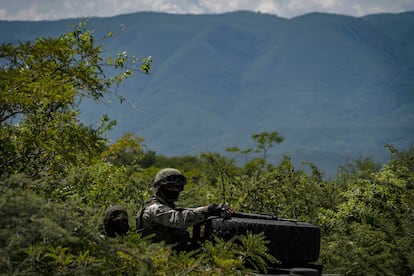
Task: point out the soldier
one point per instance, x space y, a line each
161 217
115 221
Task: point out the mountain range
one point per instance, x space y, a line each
336 87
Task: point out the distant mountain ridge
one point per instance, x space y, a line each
336 87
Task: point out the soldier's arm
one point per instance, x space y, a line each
164 215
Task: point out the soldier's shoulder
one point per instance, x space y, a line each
156 207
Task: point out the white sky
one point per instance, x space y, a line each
59 9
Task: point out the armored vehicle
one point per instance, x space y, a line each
294 244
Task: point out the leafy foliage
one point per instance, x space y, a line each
373 226
42 84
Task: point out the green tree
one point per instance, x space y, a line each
373 233
41 86
264 142
360 168
127 150
58 175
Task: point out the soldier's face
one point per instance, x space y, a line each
171 192
174 187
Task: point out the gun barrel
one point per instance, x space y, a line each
259 216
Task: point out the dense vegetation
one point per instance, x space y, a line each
58 176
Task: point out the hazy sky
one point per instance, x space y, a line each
58 9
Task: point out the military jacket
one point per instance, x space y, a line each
167 222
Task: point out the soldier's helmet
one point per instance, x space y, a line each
115 221
169 176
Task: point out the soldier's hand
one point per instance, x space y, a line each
221 210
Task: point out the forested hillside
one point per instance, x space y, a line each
58 176
336 87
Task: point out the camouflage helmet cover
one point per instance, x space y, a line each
169 176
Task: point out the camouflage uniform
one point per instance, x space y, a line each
161 217
167 222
